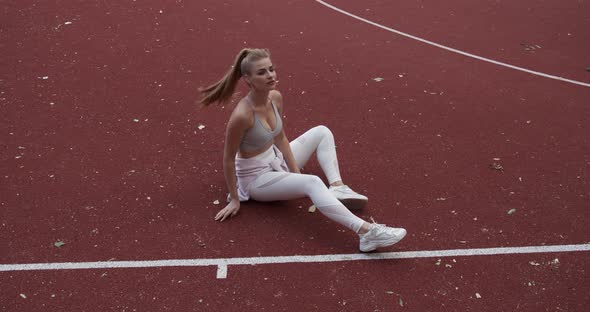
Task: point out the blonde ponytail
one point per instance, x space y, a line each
222 90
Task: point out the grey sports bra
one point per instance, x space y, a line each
259 136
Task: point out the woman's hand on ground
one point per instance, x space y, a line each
229 211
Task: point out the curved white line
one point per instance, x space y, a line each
451 49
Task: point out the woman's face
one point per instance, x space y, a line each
262 75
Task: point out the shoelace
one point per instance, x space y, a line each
342 188
379 228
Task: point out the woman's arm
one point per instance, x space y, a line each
281 140
238 123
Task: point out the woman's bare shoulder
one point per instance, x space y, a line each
242 114
277 98
275 95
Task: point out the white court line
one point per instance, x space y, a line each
451 49
223 263
221 271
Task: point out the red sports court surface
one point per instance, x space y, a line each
104 151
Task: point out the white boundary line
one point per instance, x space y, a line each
223 263
451 49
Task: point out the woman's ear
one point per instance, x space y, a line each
247 80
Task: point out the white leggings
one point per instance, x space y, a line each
275 185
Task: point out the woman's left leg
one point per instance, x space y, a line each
321 140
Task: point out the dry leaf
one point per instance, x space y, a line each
496 166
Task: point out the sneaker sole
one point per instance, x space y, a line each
354 203
383 244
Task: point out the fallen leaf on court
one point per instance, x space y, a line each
201 126
441 199
58 244
23 296
534 263
437 262
511 211
399 300
496 166
554 263
216 202
311 209
378 79
477 295
530 47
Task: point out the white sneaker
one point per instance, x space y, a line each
380 235
351 199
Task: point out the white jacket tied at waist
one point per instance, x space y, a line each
248 169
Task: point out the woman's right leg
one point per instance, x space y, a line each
274 185
284 186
